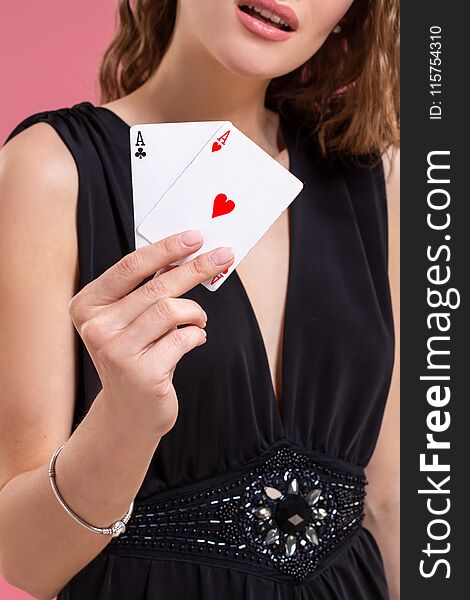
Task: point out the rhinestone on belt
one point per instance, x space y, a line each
287 513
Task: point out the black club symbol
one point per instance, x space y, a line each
140 153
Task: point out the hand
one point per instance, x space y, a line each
132 335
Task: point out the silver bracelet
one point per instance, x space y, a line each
113 530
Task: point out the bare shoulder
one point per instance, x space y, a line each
38 274
37 154
38 190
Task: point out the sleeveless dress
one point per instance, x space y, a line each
243 500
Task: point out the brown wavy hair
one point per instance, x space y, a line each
346 94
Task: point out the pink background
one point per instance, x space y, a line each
49 54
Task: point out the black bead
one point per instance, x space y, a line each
292 514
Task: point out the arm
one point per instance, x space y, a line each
382 513
132 335
41 547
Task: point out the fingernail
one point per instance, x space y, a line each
222 255
191 237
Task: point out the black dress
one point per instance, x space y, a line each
241 501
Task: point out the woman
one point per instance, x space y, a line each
243 451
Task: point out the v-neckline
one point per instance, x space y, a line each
281 415
280 410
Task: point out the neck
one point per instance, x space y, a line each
191 85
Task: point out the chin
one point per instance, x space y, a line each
256 59
254 66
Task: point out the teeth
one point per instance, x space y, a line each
269 15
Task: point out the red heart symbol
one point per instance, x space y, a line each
216 146
222 206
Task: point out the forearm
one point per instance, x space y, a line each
384 524
98 473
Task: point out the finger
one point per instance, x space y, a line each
161 316
164 270
125 275
172 283
170 348
184 277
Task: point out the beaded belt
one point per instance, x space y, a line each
284 515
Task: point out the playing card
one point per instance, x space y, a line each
159 154
232 191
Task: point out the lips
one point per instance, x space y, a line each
275 14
